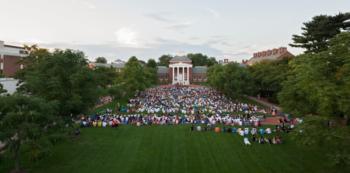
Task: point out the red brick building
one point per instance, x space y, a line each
181 71
269 55
10 57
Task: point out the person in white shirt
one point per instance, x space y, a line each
104 124
246 141
268 130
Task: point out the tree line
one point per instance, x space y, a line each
197 59
314 85
55 87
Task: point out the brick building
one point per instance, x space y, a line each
269 55
118 65
181 71
10 57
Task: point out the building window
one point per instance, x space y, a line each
1 66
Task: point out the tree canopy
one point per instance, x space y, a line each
318 32
164 60
26 120
151 72
268 77
199 59
62 76
318 88
101 60
319 83
105 76
151 63
136 76
231 79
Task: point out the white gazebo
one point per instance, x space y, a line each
180 73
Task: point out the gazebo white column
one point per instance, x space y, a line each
173 70
185 68
188 75
176 73
183 74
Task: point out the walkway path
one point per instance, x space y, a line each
269 120
265 103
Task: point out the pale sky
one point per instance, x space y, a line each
147 29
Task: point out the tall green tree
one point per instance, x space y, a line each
318 132
216 77
151 63
199 59
318 83
318 32
35 56
101 60
164 60
231 79
105 76
237 80
64 77
268 77
26 120
318 86
133 77
211 61
151 71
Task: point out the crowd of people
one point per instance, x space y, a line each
187 100
255 134
202 107
113 120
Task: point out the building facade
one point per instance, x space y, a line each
268 55
224 61
10 59
181 71
9 84
118 65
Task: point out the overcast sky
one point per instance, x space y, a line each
119 29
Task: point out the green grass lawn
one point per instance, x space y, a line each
112 105
167 149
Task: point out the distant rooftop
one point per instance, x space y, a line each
113 64
199 69
118 63
162 69
12 50
180 59
273 54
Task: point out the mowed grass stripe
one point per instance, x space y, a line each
211 150
173 149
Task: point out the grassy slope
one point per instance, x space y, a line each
112 105
173 149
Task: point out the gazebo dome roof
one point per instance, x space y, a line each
180 59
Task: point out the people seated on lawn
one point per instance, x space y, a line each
201 106
246 141
180 105
109 119
187 100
